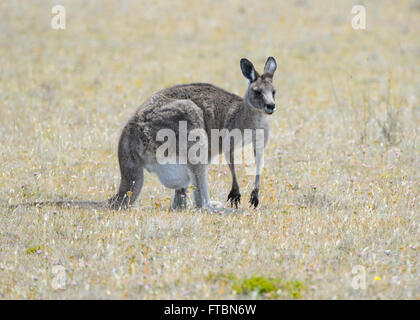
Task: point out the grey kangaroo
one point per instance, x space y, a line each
202 106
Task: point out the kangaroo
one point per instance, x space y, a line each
204 107
201 106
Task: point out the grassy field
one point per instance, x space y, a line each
341 184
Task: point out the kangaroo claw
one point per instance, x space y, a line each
234 197
254 199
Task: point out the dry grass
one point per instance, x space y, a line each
341 184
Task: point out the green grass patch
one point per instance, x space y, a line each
32 249
272 288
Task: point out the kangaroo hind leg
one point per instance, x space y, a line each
132 176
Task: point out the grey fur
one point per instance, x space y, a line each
202 106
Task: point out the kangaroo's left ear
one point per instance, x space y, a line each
248 70
270 65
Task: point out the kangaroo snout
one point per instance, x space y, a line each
270 108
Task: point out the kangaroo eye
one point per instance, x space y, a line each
257 92
274 93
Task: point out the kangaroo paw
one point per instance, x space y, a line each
254 198
234 197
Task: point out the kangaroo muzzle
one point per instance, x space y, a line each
270 108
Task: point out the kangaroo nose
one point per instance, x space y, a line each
270 108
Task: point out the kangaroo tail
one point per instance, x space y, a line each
66 204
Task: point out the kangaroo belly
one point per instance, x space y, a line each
173 176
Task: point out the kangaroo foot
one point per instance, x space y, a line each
118 203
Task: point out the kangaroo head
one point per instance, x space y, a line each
260 93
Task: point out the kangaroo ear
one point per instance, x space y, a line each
270 65
248 70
